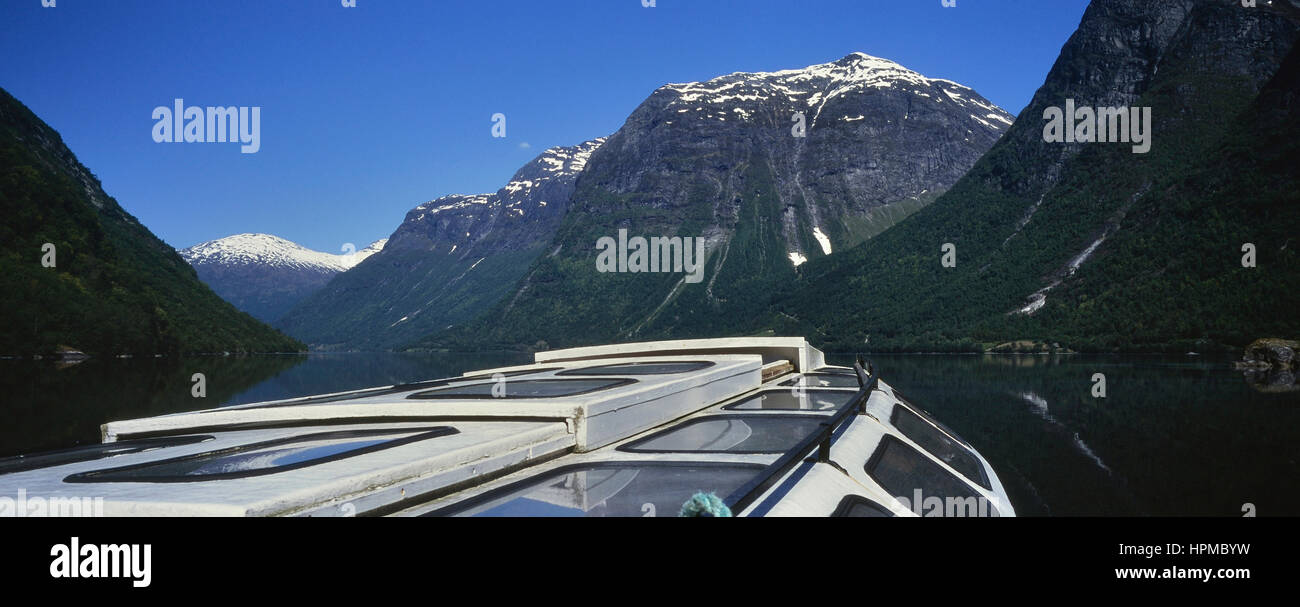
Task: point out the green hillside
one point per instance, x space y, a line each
115 288
1168 275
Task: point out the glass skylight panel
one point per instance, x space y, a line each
793 400
732 434
92 452
608 489
265 457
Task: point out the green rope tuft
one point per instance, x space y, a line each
705 504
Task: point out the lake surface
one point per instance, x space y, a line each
48 407
1173 436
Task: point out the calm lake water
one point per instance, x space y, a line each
1174 435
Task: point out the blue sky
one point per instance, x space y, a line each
369 111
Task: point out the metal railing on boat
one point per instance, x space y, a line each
748 493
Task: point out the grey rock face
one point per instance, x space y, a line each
522 215
770 169
1118 52
449 260
876 134
716 159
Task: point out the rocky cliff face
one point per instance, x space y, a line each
876 134
522 215
449 260
770 169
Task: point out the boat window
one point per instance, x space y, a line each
823 380
939 444
528 388
641 368
92 452
856 506
927 417
731 434
263 458
788 400
608 489
907 475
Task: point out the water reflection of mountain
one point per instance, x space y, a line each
323 373
1174 435
48 407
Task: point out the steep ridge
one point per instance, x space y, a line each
449 260
114 287
722 160
1092 246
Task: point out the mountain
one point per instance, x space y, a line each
724 161
450 259
113 287
266 275
1090 245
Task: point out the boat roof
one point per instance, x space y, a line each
582 430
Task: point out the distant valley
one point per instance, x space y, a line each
266 275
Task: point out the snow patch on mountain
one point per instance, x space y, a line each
822 240
810 89
554 164
557 163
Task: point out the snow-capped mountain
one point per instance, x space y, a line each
513 217
772 169
448 260
741 95
265 275
874 134
273 251
716 159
